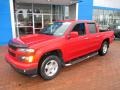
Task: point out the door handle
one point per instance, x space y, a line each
97 36
86 38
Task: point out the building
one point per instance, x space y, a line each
21 17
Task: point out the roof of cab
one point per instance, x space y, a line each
89 21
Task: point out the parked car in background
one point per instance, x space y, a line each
116 29
117 32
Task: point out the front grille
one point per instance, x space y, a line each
12 47
11 53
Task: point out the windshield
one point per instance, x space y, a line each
56 29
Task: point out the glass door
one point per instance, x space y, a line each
41 21
47 19
38 22
24 24
24 19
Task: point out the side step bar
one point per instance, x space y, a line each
81 59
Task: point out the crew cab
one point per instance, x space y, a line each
60 44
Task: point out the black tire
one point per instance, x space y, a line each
47 60
103 52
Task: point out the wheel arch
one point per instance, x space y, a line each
57 52
107 40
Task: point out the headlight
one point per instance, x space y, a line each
26 50
27 56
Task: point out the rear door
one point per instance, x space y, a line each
94 37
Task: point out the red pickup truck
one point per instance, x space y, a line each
62 43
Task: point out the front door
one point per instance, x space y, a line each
77 46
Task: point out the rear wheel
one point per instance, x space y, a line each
104 48
50 67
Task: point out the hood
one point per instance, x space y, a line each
34 39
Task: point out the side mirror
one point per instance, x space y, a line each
74 34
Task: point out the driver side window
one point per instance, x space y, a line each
80 28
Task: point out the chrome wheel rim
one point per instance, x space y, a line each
105 48
51 68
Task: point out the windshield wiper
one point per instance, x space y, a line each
46 33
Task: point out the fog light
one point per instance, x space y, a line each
28 59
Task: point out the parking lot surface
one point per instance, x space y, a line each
97 73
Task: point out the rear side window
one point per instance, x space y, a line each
80 28
92 28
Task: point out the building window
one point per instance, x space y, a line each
107 18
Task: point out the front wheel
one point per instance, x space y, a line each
50 67
104 48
